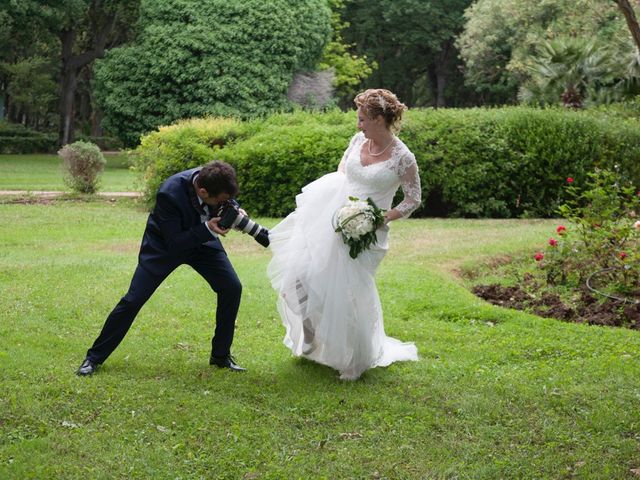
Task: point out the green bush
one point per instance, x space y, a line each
16 138
513 162
83 162
186 144
283 154
506 162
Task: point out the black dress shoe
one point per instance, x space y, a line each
87 368
226 362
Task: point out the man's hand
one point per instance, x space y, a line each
213 225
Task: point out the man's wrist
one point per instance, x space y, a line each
210 228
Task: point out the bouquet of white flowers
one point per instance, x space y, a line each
357 222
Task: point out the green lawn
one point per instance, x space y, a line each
496 393
44 172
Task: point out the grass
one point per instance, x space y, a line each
496 394
44 172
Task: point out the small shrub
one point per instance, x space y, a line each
83 162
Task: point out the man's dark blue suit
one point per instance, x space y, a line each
175 234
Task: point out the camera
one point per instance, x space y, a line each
230 217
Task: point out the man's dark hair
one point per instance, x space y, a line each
218 177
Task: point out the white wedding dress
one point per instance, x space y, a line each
328 301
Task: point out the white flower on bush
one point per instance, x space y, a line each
637 225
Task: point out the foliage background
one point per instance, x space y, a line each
500 37
165 56
195 58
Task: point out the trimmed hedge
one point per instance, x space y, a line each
283 154
16 138
501 163
513 161
184 145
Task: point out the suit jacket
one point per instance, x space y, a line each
175 231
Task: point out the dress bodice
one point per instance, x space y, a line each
381 180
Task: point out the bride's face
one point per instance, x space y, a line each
371 127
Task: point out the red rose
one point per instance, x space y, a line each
538 256
622 255
569 179
562 230
553 242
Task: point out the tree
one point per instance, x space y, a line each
349 69
26 45
96 19
31 88
630 17
209 57
501 36
413 43
565 69
73 32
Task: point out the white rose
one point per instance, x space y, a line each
356 219
364 226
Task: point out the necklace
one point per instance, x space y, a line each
381 151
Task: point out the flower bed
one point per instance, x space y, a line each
589 270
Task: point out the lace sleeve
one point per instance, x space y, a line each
407 170
345 155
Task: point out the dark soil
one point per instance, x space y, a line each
587 309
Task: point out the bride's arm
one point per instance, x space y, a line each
345 155
410 182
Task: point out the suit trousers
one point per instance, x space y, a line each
213 265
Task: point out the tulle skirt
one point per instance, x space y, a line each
328 301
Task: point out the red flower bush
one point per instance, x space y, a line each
603 247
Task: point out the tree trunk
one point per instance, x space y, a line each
68 83
72 64
630 17
96 122
438 74
7 106
440 85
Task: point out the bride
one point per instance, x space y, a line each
328 301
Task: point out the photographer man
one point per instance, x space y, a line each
181 229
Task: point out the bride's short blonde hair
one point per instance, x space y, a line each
378 101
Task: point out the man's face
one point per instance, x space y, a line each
212 200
